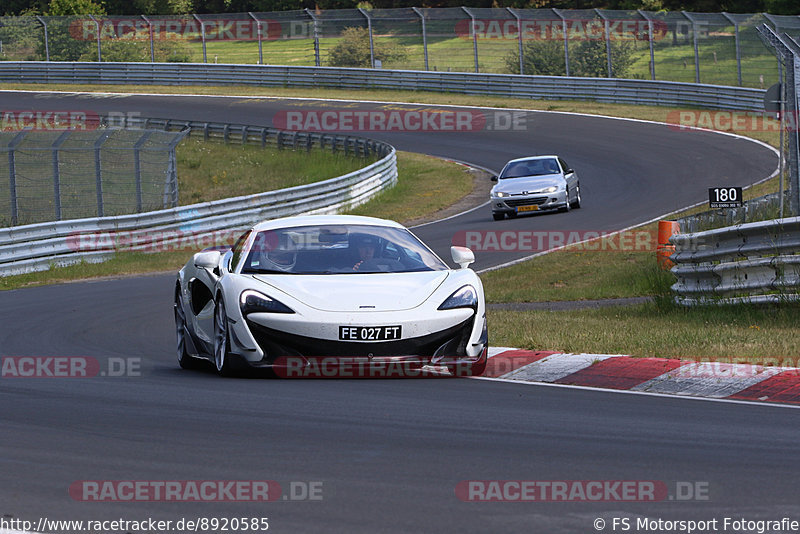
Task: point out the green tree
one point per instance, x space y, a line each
353 50
586 58
543 58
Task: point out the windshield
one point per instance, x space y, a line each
531 167
339 249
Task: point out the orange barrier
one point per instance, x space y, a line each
664 249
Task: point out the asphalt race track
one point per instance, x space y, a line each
389 453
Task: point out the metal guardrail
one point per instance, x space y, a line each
753 262
646 92
36 247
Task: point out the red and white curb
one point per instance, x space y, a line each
715 380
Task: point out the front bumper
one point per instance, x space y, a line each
519 204
464 343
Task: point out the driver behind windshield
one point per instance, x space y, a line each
366 245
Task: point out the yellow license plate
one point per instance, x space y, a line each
527 208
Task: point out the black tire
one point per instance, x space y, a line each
185 360
577 203
498 216
223 360
567 205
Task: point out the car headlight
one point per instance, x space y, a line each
466 297
500 194
551 189
254 302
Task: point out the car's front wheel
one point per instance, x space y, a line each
577 203
222 357
185 360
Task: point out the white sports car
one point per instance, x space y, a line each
337 289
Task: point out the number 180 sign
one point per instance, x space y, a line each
724 197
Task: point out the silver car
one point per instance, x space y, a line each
535 183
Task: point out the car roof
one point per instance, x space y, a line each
530 158
315 220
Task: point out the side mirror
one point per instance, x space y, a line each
462 256
569 171
494 178
207 260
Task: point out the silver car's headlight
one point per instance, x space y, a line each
500 194
252 301
465 297
551 189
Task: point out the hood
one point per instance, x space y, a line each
528 183
349 292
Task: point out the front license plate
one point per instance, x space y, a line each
527 208
369 333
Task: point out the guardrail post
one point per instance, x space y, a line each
650 41
46 39
696 47
424 35
738 49
519 39
137 168
99 48
98 172
474 36
150 31
258 30
371 43
202 36
566 39
12 175
607 34
316 35
56 174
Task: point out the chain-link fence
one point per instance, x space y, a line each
713 48
71 174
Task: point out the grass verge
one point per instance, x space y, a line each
740 334
210 170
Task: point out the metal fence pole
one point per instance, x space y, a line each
202 36
696 47
171 183
424 35
56 174
607 35
650 40
519 34
46 39
98 171
99 48
316 36
150 31
566 39
371 43
12 175
474 37
137 168
738 48
258 29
